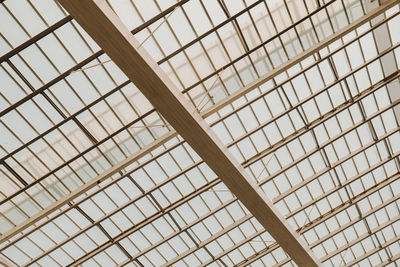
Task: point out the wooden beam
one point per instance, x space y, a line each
103 25
204 114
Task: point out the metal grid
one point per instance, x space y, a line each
88 138
186 209
326 152
326 143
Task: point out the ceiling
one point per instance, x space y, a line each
304 95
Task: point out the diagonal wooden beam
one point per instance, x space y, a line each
108 31
377 11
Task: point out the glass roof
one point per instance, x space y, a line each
99 177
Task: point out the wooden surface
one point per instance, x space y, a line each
108 31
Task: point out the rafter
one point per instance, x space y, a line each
205 114
357 199
382 39
65 200
290 63
109 32
357 165
351 202
161 141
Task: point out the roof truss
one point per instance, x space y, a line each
109 32
113 174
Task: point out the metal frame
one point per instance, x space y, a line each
63 206
204 114
162 93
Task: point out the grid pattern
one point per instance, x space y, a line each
321 138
